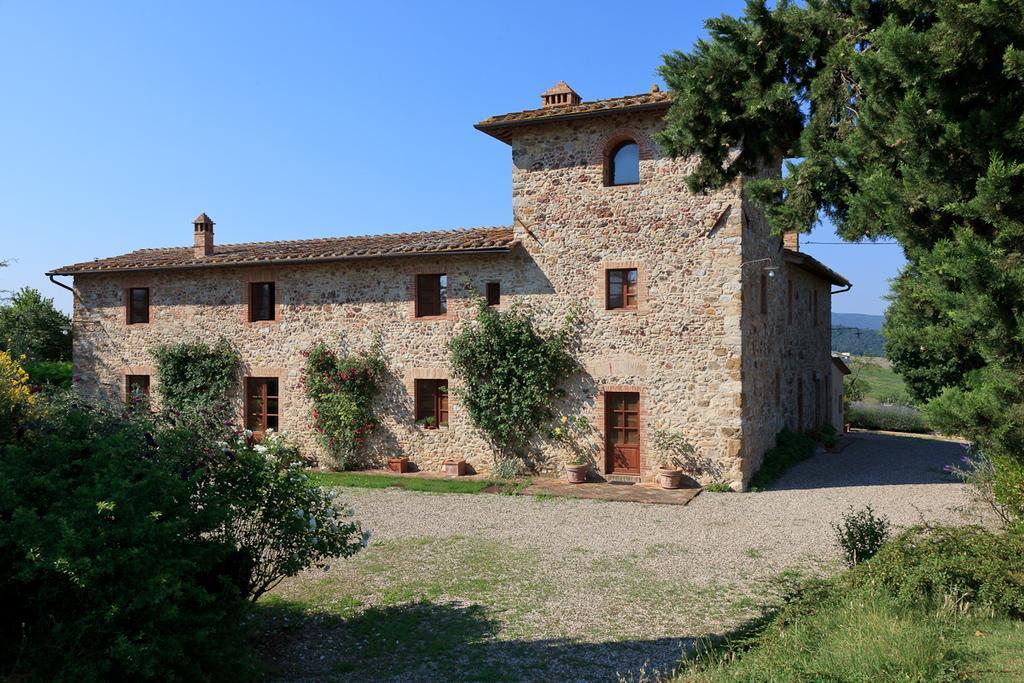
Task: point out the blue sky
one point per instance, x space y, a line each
123 121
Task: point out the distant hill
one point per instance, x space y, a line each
861 320
857 340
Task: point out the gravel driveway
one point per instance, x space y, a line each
584 590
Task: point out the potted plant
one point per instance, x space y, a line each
576 469
399 465
829 438
672 455
455 468
570 433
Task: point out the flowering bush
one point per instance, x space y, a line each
342 390
17 401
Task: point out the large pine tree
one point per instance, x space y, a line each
901 119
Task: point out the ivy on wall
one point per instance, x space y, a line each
196 377
511 375
341 389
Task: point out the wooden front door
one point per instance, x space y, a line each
622 432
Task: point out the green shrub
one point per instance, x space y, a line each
861 535
790 448
129 546
886 418
969 565
196 378
55 373
342 390
511 374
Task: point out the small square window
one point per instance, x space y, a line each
621 288
431 403
136 387
431 295
493 293
262 404
138 305
261 301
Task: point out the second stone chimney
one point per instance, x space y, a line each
204 235
791 240
559 96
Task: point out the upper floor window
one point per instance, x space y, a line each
621 288
493 293
262 411
431 295
624 164
138 305
261 301
432 403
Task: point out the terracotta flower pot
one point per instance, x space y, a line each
455 468
670 478
400 465
576 474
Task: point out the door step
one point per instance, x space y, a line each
623 478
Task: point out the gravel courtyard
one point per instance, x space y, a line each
492 587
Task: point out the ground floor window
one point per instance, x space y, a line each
431 403
136 387
262 404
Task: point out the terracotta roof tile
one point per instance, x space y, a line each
481 240
496 125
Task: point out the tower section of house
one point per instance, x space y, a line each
693 318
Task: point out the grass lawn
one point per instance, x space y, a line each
468 608
881 381
383 481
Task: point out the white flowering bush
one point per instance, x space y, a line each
280 522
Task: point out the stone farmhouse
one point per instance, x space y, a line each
698 319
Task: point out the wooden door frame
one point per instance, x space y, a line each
602 414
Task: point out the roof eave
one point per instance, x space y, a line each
288 262
498 129
815 267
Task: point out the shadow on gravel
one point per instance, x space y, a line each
428 641
876 460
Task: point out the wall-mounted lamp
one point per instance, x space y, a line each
768 269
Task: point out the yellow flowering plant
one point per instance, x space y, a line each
17 401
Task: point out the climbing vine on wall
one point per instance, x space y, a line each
511 374
193 376
341 388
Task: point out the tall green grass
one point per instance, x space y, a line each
886 418
383 481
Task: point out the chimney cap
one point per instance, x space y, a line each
655 87
560 94
203 218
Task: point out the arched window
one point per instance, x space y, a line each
624 164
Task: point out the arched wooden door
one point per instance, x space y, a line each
622 432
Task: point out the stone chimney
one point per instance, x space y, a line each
560 95
791 240
204 235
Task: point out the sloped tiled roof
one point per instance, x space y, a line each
497 126
438 242
815 267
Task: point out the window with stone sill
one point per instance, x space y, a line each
262 297
138 305
431 403
621 289
136 388
493 293
431 295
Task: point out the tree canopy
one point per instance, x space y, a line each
898 118
30 325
